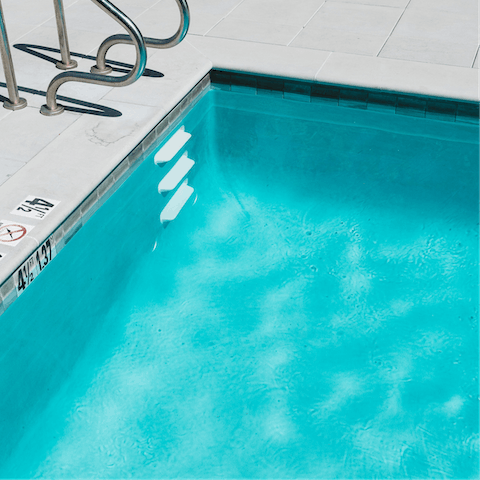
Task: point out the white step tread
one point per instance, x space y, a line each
170 181
176 203
172 147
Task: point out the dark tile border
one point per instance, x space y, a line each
366 99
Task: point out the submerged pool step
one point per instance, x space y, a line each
176 174
172 147
176 203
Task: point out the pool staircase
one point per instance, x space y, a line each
176 142
175 182
179 171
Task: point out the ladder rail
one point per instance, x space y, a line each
102 68
14 101
66 63
53 108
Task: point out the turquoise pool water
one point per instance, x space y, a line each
312 313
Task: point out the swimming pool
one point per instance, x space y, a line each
311 313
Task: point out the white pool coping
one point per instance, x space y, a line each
68 157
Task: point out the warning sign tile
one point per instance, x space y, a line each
12 233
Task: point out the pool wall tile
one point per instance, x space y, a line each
150 138
89 206
270 93
222 86
414 107
8 293
375 100
273 87
243 89
353 98
173 116
297 91
58 237
137 152
468 113
381 102
243 83
105 187
274 84
325 93
72 225
441 110
222 80
120 172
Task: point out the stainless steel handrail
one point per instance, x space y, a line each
66 63
52 108
14 101
175 39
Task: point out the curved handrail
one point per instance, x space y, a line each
52 108
101 66
14 101
66 63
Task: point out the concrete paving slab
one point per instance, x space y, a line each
469 7
333 40
162 20
85 15
203 23
8 167
438 25
42 40
356 18
428 50
124 5
349 28
379 3
401 76
34 13
260 58
252 31
3 96
17 30
159 21
176 64
213 7
25 133
297 14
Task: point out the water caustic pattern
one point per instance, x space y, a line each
312 315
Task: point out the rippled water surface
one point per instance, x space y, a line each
314 314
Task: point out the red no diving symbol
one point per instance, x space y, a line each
12 233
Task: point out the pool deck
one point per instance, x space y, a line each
424 47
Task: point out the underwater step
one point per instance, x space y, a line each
170 181
172 147
176 203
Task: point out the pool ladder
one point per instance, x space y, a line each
98 73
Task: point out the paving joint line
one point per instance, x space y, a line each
393 29
475 57
223 18
321 66
307 22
